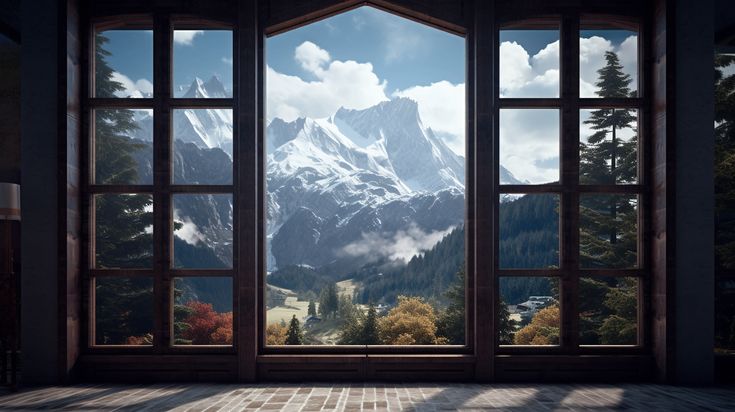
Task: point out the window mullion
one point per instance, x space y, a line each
569 248
163 295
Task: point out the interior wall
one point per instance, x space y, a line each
694 186
9 110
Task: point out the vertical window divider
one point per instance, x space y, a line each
162 236
569 204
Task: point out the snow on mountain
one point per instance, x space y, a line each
206 128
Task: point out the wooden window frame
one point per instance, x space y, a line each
568 189
483 360
163 189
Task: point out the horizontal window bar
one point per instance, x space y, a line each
623 273
201 273
149 103
132 189
123 273
551 272
203 189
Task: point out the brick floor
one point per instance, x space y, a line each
370 397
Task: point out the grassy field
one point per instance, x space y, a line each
293 306
347 287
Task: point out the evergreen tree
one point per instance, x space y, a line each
724 202
451 322
312 308
609 222
294 335
329 301
506 325
123 305
370 328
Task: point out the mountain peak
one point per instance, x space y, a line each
211 88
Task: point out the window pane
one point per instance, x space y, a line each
608 311
123 230
608 232
608 63
203 311
725 316
608 149
529 231
123 147
529 63
123 63
123 308
365 183
529 146
202 64
529 311
203 146
202 231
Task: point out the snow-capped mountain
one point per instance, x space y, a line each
330 181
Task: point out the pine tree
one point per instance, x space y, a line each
608 236
451 322
329 301
369 335
506 325
294 335
124 305
312 309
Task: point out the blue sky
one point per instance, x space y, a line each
197 53
402 52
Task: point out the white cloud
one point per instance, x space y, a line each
338 84
189 232
442 108
227 60
137 88
592 58
186 37
402 245
522 75
529 144
311 57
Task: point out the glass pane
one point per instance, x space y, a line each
123 147
123 228
608 147
203 311
529 63
725 317
608 232
202 64
529 232
608 63
608 311
202 231
529 146
529 311
203 146
123 63
123 308
365 183
724 163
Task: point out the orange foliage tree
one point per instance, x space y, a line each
205 326
411 322
275 334
543 329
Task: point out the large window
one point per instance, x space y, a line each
725 204
160 185
568 256
365 176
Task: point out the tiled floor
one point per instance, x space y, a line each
369 397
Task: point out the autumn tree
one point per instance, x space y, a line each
276 333
205 326
294 335
543 329
411 322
